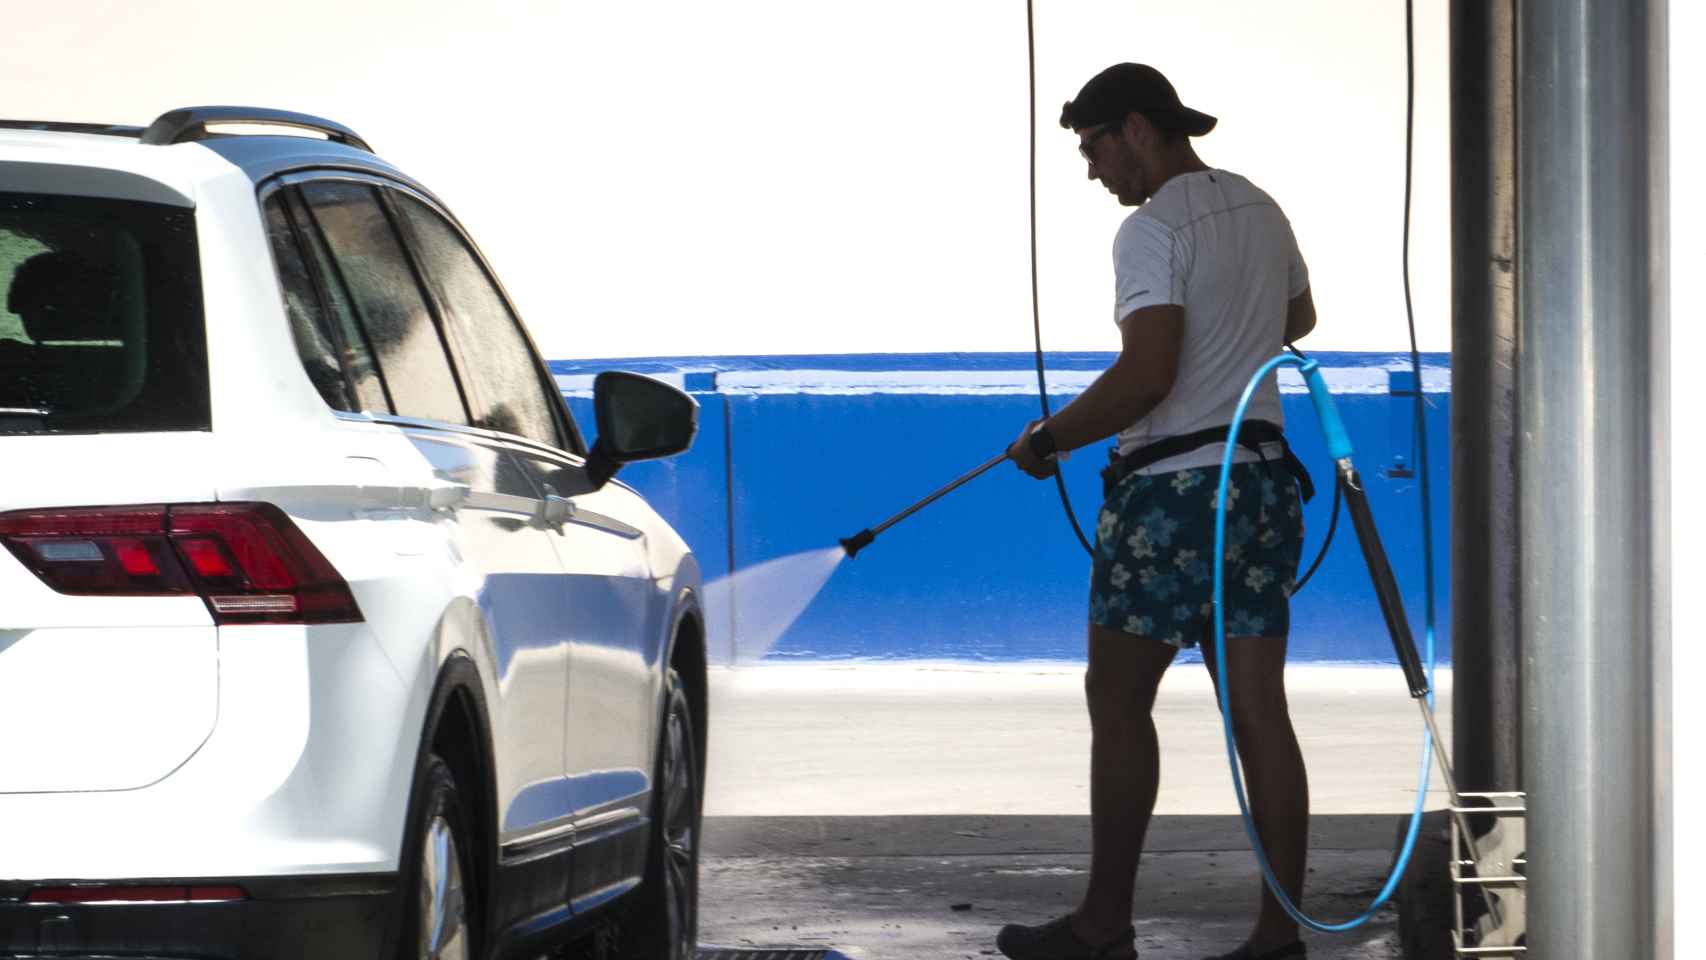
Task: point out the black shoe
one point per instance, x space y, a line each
1291 951
1056 941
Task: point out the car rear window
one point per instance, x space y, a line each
101 326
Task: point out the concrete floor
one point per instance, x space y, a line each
907 811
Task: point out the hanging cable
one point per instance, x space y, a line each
1036 308
1332 525
1419 404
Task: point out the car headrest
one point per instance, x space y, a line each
62 296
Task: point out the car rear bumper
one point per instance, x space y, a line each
333 917
305 774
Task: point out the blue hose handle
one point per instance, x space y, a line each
1332 428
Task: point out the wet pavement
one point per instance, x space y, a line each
900 888
892 810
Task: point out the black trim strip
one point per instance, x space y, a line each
603 896
59 126
258 888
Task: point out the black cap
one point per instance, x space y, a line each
1133 88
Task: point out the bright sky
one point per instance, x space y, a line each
771 176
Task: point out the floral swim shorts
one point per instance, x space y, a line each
1154 540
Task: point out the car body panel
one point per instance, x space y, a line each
101 693
103 708
172 748
261 797
99 166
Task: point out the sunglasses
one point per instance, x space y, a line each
1088 144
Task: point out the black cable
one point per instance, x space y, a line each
1419 440
1332 525
1419 405
1036 310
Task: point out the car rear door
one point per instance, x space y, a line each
383 346
613 617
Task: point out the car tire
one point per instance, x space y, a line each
440 908
664 924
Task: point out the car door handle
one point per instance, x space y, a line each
554 511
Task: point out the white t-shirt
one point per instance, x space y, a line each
1215 244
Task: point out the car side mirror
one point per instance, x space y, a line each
638 419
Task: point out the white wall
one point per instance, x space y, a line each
766 176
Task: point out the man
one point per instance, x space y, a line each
1209 284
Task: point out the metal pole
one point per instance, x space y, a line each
1486 650
1486 653
1592 140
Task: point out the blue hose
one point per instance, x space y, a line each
1339 446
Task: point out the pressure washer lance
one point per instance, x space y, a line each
1398 625
1385 588
863 538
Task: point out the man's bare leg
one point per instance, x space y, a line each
1125 772
1274 775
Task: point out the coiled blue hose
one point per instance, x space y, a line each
1339 447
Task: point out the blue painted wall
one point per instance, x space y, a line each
993 572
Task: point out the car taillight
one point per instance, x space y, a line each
248 561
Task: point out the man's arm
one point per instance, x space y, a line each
1142 376
1299 316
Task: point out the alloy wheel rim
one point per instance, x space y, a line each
680 839
444 921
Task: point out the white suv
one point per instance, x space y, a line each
322 632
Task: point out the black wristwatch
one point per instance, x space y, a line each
1042 442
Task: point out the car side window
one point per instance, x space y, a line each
359 368
507 391
316 342
388 301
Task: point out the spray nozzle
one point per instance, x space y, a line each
857 542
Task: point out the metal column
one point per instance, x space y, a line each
1593 322
1486 655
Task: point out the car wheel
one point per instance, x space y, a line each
665 925
438 902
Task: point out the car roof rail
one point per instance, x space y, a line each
190 123
57 126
